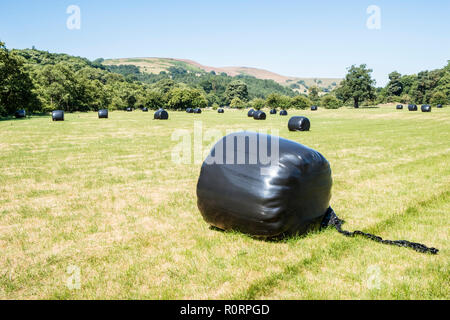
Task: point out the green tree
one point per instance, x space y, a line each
237 89
258 103
16 86
395 85
358 85
300 102
330 102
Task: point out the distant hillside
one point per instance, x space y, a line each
157 65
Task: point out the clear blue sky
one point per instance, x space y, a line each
296 38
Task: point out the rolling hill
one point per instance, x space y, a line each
156 65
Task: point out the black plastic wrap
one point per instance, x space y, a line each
145 109
220 110
267 199
190 110
250 113
259 115
399 107
273 111
283 113
439 106
161 114
299 124
412 107
20 114
426 108
314 108
58 115
103 114
197 110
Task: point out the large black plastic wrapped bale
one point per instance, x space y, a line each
197 110
239 189
220 110
145 109
58 115
190 110
259 115
399 107
161 114
273 111
20 114
439 106
103 114
314 108
299 124
129 109
283 113
412 107
250 113
425 108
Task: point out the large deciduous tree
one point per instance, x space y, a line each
237 89
16 87
358 85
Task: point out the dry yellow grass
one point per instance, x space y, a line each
105 197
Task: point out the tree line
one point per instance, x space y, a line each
39 82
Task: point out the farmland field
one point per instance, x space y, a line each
105 198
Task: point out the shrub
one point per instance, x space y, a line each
330 102
300 102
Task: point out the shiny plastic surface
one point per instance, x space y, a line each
299 124
288 196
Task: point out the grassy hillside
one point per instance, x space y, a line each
105 198
157 65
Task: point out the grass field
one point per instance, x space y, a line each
104 197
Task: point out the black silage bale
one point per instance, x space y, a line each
412 107
399 107
273 111
425 108
103 114
20 114
220 110
283 113
299 124
161 114
58 115
197 110
259 115
314 108
289 195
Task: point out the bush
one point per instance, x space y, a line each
330 102
257 103
300 102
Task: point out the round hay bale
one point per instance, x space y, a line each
439 106
190 110
425 108
250 113
161 114
58 115
273 111
20 114
399 107
290 198
220 110
197 110
299 124
103 114
145 109
412 107
283 113
314 108
259 115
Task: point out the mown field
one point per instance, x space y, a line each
105 198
